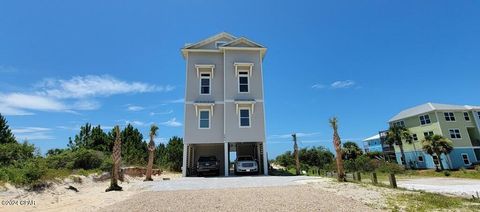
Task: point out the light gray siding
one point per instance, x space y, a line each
256 131
255 84
193 82
195 135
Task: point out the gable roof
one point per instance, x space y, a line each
210 39
232 43
242 40
428 107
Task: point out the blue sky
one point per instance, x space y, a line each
362 61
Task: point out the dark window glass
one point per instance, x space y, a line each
244 118
205 86
467 117
243 83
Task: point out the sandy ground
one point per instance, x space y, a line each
91 195
298 194
247 193
449 186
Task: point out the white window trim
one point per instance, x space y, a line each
248 82
469 118
205 66
209 119
468 158
249 117
455 134
449 116
250 69
209 85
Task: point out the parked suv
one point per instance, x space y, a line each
246 164
208 164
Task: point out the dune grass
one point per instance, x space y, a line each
424 201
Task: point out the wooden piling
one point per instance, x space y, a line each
393 181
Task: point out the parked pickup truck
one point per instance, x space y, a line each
208 165
246 164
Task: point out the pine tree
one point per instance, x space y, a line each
6 135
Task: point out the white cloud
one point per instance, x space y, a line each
135 108
32 133
161 113
19 101
77 93
318 86
94 86
299 135
343 84
181 100
172 123
336 85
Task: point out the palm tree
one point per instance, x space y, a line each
117 160
151 152
395 135
351 150
338 149
436 145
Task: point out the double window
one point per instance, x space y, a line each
399 124
204 119
428 134
205 83
466 116
425 119
454 133
244 118
449 116
243 81
415 137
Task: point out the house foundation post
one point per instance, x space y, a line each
227 162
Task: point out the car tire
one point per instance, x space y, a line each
217 173
199 174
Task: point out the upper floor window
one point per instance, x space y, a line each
244 117
399 124
449 116
425 119
243 79
205 83
454 133
478 113
204 119
466 116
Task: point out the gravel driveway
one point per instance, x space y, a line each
198 183
453 186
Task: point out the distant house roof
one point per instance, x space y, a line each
428 107
375 137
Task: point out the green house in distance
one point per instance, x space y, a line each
460 124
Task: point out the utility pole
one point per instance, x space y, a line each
295 153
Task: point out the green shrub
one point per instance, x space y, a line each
15 153
463 170
477 168
87 159
447 173
107 164
392 168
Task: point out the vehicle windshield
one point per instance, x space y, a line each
206 159
244 158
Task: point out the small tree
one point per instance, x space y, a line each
437 145
117 160
151 152
338 149
395 135
295 153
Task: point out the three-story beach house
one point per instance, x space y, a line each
460 124
224 110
